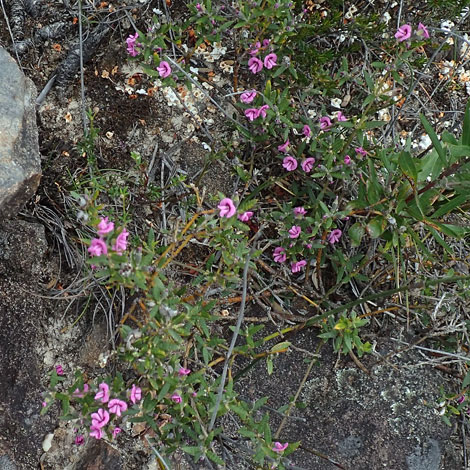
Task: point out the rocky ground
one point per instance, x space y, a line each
381 417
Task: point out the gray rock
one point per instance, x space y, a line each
20 163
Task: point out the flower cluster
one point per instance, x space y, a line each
132 44
227 209
255 64
404 32
98 246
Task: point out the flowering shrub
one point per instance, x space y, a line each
330 188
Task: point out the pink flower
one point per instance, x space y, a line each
248 96
136 394
100 418
423 31
279 254
325 123
334 236
97 433
307 164
262 110
299 211
270 60
278 447
175 398
360 151
227 208
105 227
198 7
341 117
283 148
164 69
289 163
266 42
255 49
296 267
79 440
97 247
116 431
121 242
255 65
103 393
59 370
251 113
183 371
117 406
131 44
78 394
307 132
347 160
403 33
246 216
294 231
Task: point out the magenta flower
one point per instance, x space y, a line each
255 65
59 369
121 242
299 211
183 371
360 151
246 216
100 418
279 254
105 227
198 7
116 431
79 440
175 398
79 394
283 148
117 406
248 96
461 399
341 117
131 44
307 164
403 33
266 42
294 231
97 433
255 49
347 160
227 208
289 163
325 123
252 113
278 447
97 247
262 110
306 131
103 393
296 267
164 69
423 31
334 236
270 60
136 394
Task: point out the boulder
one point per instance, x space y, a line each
20 163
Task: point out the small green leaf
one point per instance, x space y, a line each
466 126
407 165
433 136
376 226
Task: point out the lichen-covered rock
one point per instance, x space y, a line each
20 163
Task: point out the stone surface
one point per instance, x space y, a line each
20 163
385 420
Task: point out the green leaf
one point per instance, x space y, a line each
376 226
466 126
450 206
269 364
407 165
280 346
432 135
215 458
370 83
466 380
